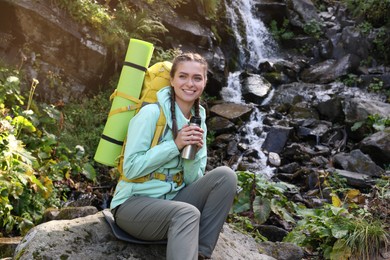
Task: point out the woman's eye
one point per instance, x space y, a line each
198 79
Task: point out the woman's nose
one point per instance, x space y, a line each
190 82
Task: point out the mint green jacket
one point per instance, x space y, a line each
141 160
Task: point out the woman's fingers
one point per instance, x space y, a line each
189 135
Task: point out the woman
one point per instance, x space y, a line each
189 207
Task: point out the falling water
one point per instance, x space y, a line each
255 45
253 39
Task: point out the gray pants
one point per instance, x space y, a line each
191 221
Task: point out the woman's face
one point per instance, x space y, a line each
189 82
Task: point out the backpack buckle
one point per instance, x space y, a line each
169 178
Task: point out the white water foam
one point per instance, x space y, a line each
256 46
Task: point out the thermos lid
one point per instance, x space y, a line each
195 120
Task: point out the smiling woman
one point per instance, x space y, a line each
188 85
165 196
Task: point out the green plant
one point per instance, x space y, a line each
260 198
374 122
34 166
160 54
365 27
337 234
382 43
374 11
376 86
80 126
210 137
23 193
282 33
366 238
351 80
117 24
211 8
313 28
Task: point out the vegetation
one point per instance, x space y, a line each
375 12
313 28
373 122
36 168
343 228
375 18
282 33
45 150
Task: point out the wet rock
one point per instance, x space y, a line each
312 129
358 109
305 10
255 88
355 179
330 70
276 139
271 10
289 168
232 111
222 140
377 146
280 71
274 159
320 161
331 109
303 110
232 148
298 92
353 42
220 125
356 161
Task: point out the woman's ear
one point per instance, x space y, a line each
170 80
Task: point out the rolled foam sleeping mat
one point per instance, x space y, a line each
130 82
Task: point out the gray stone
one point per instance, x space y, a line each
276 139
356 161
232 111
355 179
378 147
91 238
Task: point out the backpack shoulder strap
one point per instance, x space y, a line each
160 125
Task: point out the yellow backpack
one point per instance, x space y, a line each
156 77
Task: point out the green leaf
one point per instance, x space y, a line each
339 231
34 180
357 125
89 171
340 250
242 203
261 209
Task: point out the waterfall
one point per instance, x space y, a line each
255 45
253 39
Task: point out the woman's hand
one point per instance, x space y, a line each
189 135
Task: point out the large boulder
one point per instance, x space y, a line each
90 237
67 58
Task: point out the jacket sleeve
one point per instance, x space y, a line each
195 169
139 158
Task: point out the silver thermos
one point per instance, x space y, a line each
189 151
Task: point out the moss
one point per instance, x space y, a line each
36 255
88 237
21 252
64 257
